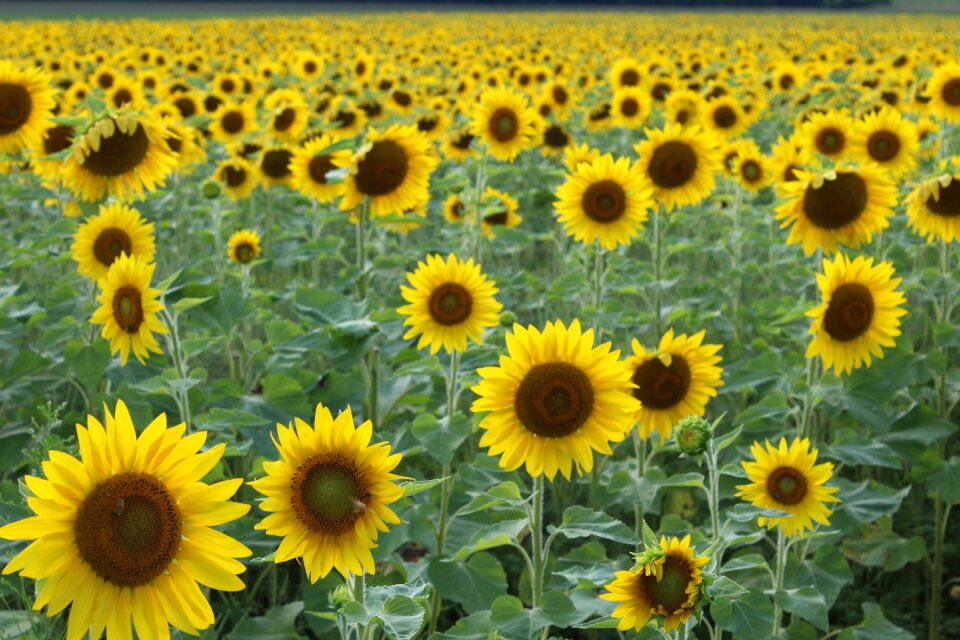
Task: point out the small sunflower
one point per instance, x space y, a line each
26 104
724 116
457 146
673 382
860 313
123 535
605 200
576 154
684 107
626 72
630 107
554 400
345 119
504 122
392 170
943 88
498 209
787 158
114 231
56 139
129 308
789 480
186 142
666 584
449 302
843 206
556 139
681 164
933 208
328 494
828 134
309 168
454 208
752 169
233 120
888 140
274 166
243 246
287 114
238 176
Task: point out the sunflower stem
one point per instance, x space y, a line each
179 362
657 272
362 211
359 584
713 474
640 452
781 564
536 539
737 250
373 400
478 199
598 273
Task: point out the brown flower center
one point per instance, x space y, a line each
830 141
276 163
504 125
328 494
234 176
58 138
849 312
560 95
319 167
450 304
670 592
121 97
556 137
554 399
284 119
186 107
951 92
724 117
883 145
383 169
427 123
118 154
604 201
673 164
402 98
457 209
110 244
789 173
836 203
244 252
949 202
629 107
344 119
128 529
751 171
630 78
660 386
128 309
463 141
786 485
232 122
15 107
174 144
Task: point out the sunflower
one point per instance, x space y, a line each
724 116
626 72
681 163
392 170
684 107
604 200
115 231
457 146
944 91
499 209
554 400
232 121
121 155
345 119
860 313
454 208
243 246
238 176
274 166
888 140
126 92
504 123
556 139
933 208
309 168
842 206
287 114
56 139
124 534
129 308
787 158
752 169
328 494
186 103
788 480
575 154
666 583
186 142
828 134
630 107
26 104
673 382
307 65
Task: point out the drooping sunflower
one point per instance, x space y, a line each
457 146
124 534
828 134
943 88
498 209
238 176
129 308
122 155
309 168
666 584
328 494
789 480
26 103
860 313
933 208
681 164
843 206
888 140
233 120
605 200
630 107
392 170
554 400
449 302
504 123
115 230
243 246
673 382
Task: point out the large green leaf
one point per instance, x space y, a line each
580 522
875 626
749 617
475 584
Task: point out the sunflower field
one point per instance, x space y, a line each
480 326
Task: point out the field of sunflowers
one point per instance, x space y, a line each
480 326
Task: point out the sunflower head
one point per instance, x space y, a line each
243 247
680 163
238 176
503 121
888 140
26 103
115 231
933 208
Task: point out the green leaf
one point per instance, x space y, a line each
505 493
855 449
722 442
807 603
946 481
475 627
580 522
749 617
187 303
441 437
87 362
490 536
401 617
649 538
555 609
605 622
869 500
475 584
879 546
414 487
875 626
724 587
168 282
278 623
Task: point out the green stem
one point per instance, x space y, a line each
358 595
710 455
362 211
373 387
656 250
737 250
478 200
640 452
179 362
597 291
781 565
536 538
807 407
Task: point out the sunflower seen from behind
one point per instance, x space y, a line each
26 104
604 200
859 315
124 534
503 123
129 309
933 208
450 302
116 230
328 494
788 479
554 400
680 163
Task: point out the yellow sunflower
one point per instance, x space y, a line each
788 480
575 154
554 400
449 302
186 142
626 72
56 139
828 134
287 114
454 208
115 230
933 208
243 246
888 140
392 170
238 176
860 313
681 164
129 308
673 382
943 88
605 200
26 103
684 107
504 123
457 146
666 584
842 206
274 166
752 169
328 493
233 120
309 168
787 158
124 533
555 139
498 209
630 107
122 155
724 116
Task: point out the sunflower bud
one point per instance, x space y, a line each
507 318
341 595
210 189
692 435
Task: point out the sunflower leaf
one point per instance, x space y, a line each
580 522
417 486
